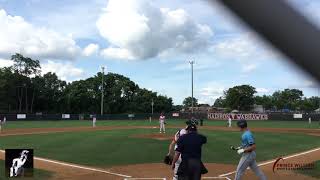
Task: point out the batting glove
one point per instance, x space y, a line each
240 151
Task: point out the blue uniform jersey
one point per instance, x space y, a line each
247 139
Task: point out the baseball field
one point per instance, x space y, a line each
135 149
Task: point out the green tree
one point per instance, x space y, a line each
220 102
25 66
310 104
288 99
187 102
240 97
47 93
265 101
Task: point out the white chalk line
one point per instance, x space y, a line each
78 166
272 161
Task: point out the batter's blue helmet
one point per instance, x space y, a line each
242 123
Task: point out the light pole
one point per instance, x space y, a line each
102 89
191 63
152 104
319 95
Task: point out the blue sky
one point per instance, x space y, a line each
151 42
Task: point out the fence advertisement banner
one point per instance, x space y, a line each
21 116
225 116
65 116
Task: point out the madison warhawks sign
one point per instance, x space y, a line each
249 116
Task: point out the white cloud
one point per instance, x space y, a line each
136 29
211 92
262 90
5 63
303 83
117 53
247 68
244 47
90 50
186 66
19 36
66 71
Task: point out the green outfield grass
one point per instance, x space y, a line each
78 123
118 147
37 174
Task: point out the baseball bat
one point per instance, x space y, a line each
234 148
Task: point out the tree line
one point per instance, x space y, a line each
24 89
244 97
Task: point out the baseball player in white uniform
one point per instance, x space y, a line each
94 120
229 121
162 121
173 146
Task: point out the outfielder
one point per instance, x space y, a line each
229 121
173 147
94 120
162 121
247 150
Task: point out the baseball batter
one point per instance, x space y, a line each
162 121
173 147
247 150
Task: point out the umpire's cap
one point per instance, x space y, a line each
242 123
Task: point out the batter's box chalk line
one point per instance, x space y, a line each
145 178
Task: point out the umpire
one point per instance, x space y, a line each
189 146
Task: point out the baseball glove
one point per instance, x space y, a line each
168 160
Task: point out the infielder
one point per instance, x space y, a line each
162 121
173 147
247 150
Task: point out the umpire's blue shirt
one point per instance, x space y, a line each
189 145
247 139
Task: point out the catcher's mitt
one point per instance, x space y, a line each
168 160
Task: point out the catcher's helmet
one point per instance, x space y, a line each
242 123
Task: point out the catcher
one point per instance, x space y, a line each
172 147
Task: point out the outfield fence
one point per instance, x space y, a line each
155 116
